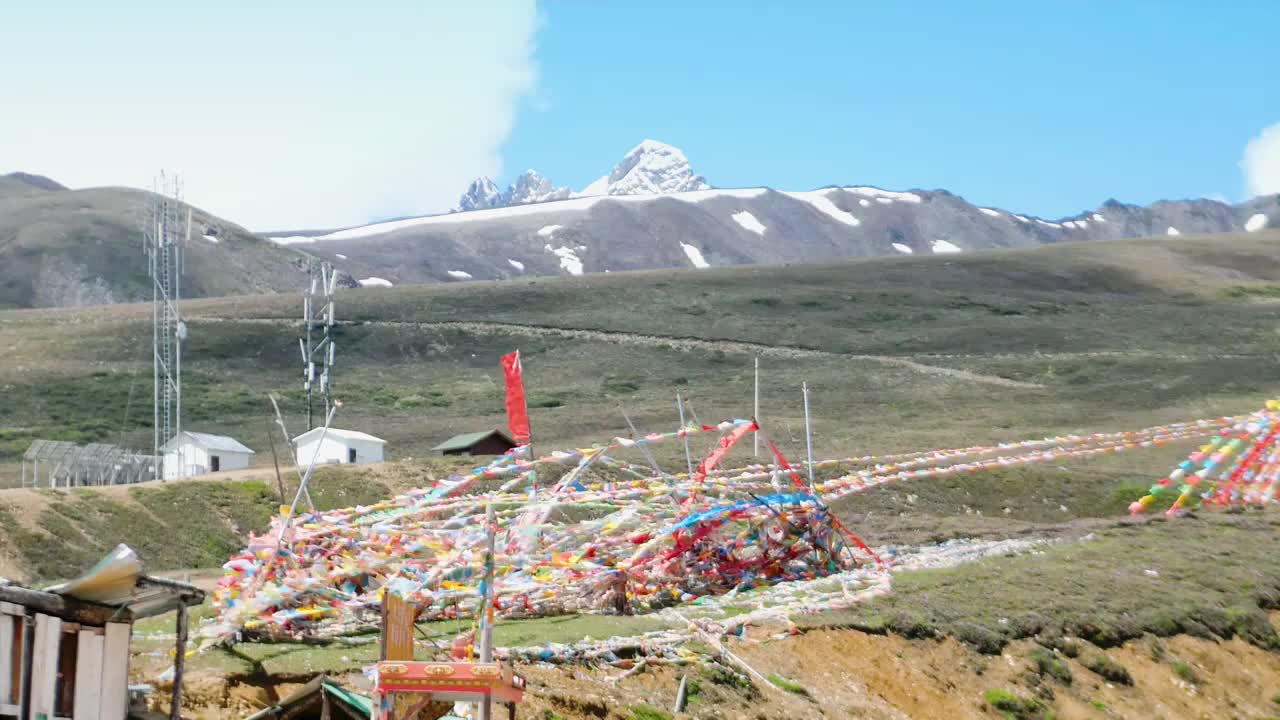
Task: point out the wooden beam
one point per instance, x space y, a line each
63 608
179 662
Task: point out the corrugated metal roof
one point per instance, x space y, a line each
466 440
117 581
211 442
340 435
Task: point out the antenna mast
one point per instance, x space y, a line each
317 342
164 239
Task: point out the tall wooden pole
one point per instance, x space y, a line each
755 438
486 616
688 457
179 661
275 460
808 434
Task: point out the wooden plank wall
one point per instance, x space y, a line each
102 666
115 672
8 629
44 667
89 667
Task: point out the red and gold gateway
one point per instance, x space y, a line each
404 688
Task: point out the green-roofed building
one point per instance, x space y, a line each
487 442
317 700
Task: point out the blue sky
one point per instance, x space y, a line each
1042 107
320 113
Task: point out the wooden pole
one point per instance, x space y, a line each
680 694
755 438
688 457
179 661
486 615
275 460
520 364
808 434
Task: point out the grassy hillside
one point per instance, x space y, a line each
1069 337
62 247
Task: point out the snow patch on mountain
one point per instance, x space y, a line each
569 260
749 221
696 196
460 274
904 249
989 211
1098 218
516 264
1255 222
819 199
942 246
374 282
548 231
890 195
1172 231
695 256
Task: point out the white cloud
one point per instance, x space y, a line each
1261 163
277 115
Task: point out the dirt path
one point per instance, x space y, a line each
662 341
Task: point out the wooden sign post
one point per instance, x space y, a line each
397 627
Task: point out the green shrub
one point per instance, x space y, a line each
790 686
1186 672
1046 663
720 675
1012 707
1157 649
648 712
1109 669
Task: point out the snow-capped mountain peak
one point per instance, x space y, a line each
650 168
531 187
653 168
480 194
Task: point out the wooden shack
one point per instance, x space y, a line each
487 442
64 651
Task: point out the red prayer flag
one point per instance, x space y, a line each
517 411
728 441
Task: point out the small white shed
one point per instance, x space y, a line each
189 454
337 446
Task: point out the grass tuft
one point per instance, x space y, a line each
790 686
1109 669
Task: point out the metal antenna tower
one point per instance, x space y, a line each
317 342
164 239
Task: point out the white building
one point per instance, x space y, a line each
338 446
190 454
